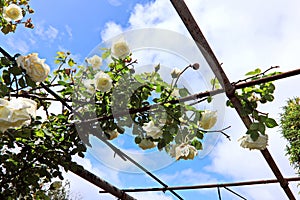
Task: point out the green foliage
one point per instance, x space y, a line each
290 127
31 155
251 97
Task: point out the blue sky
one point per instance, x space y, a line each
244 36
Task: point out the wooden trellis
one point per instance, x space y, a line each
227 87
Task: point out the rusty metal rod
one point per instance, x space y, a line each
92 178
205 186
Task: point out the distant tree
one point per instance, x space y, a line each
290 126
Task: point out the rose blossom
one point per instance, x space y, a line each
183 151
16 112
103 82
152 130
208 119
120 49
35 67
146 144
12 12
95 61
260 144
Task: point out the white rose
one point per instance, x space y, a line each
208 119
152 130
260 144
89 85
103 82
95 61
12 12
175 73
120 49
16 112
112 134
175 93
35 67
183 151
146 144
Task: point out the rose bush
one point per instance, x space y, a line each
100 102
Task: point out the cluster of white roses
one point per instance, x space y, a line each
16 112
102 81
183 150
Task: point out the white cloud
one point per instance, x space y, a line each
116 2
152 195
69 31
18 45
46 33
111 29
87 190
188 177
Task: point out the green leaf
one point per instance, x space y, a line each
71 62
6 77
269 97
106 54
139 79
261 128
197 144
262 118
255 114
209 99
254 126
199 134
5 61
271 123
183 92
254 135
22 82
137 140
255 72
30 82
16 70
39 133
248 89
